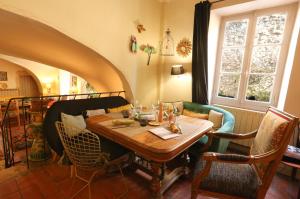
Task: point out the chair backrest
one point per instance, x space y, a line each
270 144
13 109
83 149
274 132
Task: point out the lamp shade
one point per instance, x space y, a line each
177 70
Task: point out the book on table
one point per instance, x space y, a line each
163 133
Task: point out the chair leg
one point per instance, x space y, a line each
88 183
125 184
194 194
294 172
90 191
72 171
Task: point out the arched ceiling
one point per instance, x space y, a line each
29 39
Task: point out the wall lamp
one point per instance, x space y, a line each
177 69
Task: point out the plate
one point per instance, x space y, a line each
154 123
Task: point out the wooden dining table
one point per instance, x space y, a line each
154 154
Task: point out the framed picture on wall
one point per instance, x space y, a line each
73 81
3 76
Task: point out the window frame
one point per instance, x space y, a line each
252 16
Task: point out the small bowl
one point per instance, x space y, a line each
125 113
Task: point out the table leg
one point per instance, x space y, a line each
156 183
186 160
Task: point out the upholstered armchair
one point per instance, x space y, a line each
246 176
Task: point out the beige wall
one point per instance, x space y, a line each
105 26
179 17
292 103
43 72
14 70
11 74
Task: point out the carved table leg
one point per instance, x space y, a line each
156 183
186 163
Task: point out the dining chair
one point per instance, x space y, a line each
13 111
245 176
85 154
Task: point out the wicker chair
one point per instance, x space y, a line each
245 176
84 152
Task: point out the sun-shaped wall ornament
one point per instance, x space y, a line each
184 47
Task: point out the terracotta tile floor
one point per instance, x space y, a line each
53 181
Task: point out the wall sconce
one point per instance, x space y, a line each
48 87
177 69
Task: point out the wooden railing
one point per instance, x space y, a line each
23 104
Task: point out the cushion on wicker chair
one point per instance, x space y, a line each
233 179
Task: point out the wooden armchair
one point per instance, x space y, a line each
245 176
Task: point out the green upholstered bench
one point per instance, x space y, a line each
218 145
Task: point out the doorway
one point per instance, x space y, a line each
27 85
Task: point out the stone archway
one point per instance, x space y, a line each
29 39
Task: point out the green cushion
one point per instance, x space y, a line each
227 127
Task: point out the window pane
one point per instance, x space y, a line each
264 59
260 87
235 33
269 29
229 84
232 59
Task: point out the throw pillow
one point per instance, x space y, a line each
216 118
90 113
194 114
120 108
73 121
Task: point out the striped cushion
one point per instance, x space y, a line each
232 179
269 134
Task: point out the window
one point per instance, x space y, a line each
251 57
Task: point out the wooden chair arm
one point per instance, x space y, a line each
230 158
240 159
233 135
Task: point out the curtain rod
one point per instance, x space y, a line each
217 1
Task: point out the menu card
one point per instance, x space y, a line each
163 133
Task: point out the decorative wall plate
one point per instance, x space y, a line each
3 86
184 47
